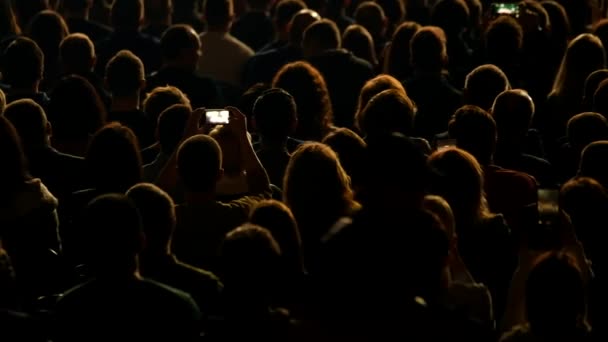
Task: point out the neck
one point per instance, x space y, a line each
119 269
179 65
77 15
219 28
126 103
199 197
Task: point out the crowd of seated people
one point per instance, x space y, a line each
303 170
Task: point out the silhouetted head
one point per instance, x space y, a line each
593 162
181 47
275 115
370 15
14 172
171 125
161 98
112 235
77 54
23 63
113 161
601 30
600 99
475 14
299 23
513 111
29 119
26 10
218 14
555 295
157 212
8 21
475 132
125 74
285 11
483 84
585 128
248 98
399 51
308 88
232 153
351 150
158 12
591 84
199 164
504 40
357 40
394 11
428 49
374 87
75 110
584 55
441 208
560 22
127 15
278 219
48 29
321 36
451 15
458 178
387 112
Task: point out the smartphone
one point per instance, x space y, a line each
505 8
445 143
548 204
217 116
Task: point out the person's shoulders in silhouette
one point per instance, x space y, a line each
95 31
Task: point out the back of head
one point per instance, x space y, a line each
483 84
250 260
593 162
428 51
275 115
451 15
155 11
513 111
26 10
441 208
584 55
374 87
299 23
171 125
458 178
23 63
218 13
560 22
504 40
394 11
161 98
585 128
157 212
396 169
475 132
285 11
600 29
359 41
29 119
278 219
371 16
199 163
113 232
248 98
600 99
555 279
399 50
179 41
387 112
127 15
48 29
321 36
125 74
75 109
350 148
14 172
77 53
315 182
591 84
113 160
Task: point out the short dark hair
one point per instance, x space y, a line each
217 12
161 98
451 15
370 15
77 53
374 87
483 84
475 132
127 13
124 74
428 49
349 147
113 160
247 100
199 163
29 119
157 212
275 114
23 63
513 111
299 23
323 34
504 39
585 128
387 112
286 10
171 125
592 82
176 39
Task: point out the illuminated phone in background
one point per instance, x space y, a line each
548 205
445 143
217 116
505 8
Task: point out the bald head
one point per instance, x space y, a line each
300 22
513 111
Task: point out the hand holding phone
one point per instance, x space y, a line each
505 8
217 117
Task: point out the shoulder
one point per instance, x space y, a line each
240 46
